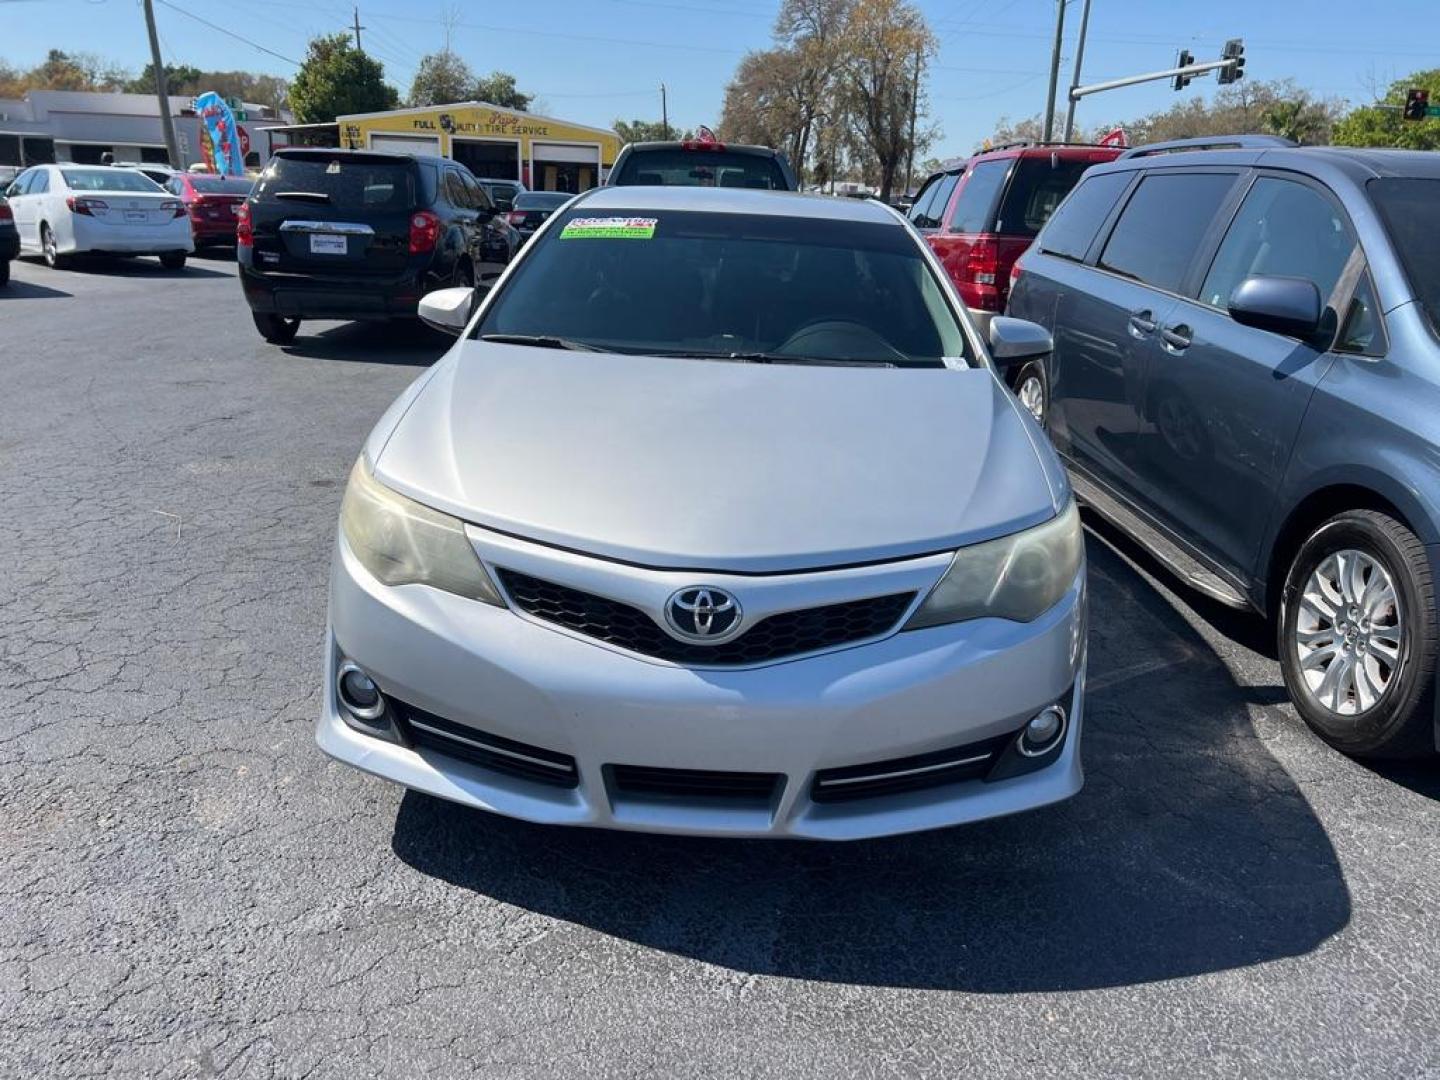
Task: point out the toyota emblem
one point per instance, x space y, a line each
703 613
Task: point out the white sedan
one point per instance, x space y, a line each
63 210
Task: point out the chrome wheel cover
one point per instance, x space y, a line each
48 247
1349 632
1032 396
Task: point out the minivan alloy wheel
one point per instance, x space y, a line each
1349 633
1032 396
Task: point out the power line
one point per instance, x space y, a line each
228 33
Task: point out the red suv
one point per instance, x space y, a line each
979 215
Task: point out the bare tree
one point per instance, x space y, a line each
884 41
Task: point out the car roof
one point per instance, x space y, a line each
1357 164
332 151
637 198
695 144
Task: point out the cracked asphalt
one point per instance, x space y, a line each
191 889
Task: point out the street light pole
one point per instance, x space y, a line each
1054 69
1075 79
664 115
162 93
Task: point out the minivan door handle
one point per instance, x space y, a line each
1142 323
1177 338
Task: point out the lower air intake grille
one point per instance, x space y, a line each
900 775
789 633
694 784
430 732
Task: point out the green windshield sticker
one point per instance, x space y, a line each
610 228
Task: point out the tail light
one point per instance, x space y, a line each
1015 271
81 204
175 206
516 217
244 227
701 144
5 214
424 232
982 268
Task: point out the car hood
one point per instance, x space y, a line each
702 464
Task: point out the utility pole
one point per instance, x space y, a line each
358 28
914 109
1075 79
1054 69
664 115
162 93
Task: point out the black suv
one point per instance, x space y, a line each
1246 378
702 163
350 234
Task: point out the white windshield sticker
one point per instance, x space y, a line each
610 228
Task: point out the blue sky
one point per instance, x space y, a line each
595 60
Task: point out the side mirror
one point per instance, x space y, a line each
1018 339
448 309
1283 305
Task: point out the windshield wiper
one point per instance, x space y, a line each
790 358
305 196
540 341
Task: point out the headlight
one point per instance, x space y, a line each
1017 577
404 543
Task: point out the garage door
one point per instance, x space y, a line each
405 144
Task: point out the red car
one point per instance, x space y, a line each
979 215
211 201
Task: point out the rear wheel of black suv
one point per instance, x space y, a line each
1358 641
276 329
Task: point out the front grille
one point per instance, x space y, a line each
789 633
899 775
694 784
494 752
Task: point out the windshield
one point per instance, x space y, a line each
721 285
701 168
346 181
108 180
541 200
222 185
502 195
1410 209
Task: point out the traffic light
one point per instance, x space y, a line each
1417 102
1183 60
1234 50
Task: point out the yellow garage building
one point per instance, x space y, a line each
541 152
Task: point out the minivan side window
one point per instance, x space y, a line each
1160 228
1073 228
1362 331
975 208
934 210
1284 229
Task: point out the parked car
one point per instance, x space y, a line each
502 192
702 163
64 210
161 174
351 234
9 240
980 214
1246 378
533 208
211 202
717 520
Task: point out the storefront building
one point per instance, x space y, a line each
542 153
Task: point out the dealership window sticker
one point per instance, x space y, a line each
610 228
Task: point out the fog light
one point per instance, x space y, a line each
1043 732
358 692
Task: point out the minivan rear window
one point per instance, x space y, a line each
702 168
975 207
1072 230
345 182
1410 208
1038 186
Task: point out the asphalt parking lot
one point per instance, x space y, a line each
191 889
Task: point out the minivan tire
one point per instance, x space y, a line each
1400 724
1033 389
173 260
275 329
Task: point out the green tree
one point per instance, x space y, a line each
441 79
337 79
179 79
648 131
498 88
1370 125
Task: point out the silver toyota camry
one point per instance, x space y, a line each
715 520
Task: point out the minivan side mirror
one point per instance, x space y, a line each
1283 305
1018 339
448 309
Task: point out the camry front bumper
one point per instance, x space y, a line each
772 750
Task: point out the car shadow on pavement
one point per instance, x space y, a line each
24 290
1189 851
395 341
141 267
